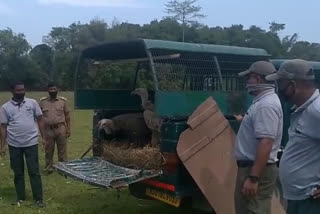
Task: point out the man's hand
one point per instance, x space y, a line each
3 150
239 118
68 133
249 188
316 194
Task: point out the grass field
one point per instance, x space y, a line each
67 196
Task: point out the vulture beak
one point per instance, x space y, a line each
106 125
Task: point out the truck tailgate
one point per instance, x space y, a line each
101 173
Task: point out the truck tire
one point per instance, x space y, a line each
139 191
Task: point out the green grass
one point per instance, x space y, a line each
63 195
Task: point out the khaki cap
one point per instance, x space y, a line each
293 70
261 67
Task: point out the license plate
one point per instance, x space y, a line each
164 197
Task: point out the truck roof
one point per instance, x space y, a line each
131 49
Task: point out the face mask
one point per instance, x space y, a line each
19 97
283 93
258 87
53 94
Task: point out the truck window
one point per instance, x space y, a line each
190 71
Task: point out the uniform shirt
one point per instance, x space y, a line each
300 163
54 110
264 119
22 129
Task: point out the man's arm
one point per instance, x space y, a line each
3 145
41 125
262 156
68 122
250 187
4 123
266 126
39 117
68 119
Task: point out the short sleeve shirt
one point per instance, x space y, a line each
299 169
22 128
54 110
264 119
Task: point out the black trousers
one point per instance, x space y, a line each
307 206
31 156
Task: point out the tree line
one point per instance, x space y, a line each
57 57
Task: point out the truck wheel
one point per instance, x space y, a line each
139 191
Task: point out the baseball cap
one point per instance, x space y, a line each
261 67
293 69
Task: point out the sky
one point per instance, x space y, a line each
35 18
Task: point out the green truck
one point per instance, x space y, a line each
179 77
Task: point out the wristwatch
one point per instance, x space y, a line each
253 178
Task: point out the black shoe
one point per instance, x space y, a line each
39 204
18 203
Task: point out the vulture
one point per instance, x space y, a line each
152 121
128 126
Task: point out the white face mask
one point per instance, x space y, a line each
258 87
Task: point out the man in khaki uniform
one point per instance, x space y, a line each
57 125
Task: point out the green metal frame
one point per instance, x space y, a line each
120 100
219 71
167 103
154 75
182 104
